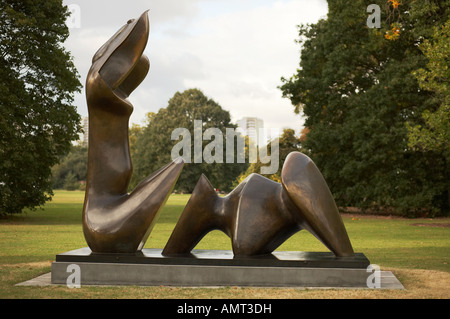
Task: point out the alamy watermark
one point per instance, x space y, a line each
374 19
73 21
214 151
374 279
74 279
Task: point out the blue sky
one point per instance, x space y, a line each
235 51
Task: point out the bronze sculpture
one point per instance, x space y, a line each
260 214
113 220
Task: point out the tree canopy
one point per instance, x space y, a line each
357 90
37 83
434 132
153 145
70 173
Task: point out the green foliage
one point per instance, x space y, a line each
37 82
434 133
153 146
357 90
70 173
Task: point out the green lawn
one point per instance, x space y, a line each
29 242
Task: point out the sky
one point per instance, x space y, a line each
234 51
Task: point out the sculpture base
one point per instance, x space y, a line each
213 268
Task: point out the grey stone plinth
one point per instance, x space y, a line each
213 268
198 276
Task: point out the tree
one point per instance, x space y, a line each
434 133
37 118
135 133
70 173
357 90
154 144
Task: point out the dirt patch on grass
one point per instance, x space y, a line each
418 283
428 284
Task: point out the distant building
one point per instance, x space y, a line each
253 128
85 134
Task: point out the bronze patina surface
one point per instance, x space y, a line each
260 214
113 220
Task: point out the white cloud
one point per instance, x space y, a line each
234 51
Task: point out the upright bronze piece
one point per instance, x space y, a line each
260 214
113 220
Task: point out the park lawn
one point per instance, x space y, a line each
417 251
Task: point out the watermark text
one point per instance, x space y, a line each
374 19
214 151
73 21
374 279
74 279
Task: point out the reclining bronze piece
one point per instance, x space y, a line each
260 214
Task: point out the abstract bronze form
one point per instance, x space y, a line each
113 220
260 214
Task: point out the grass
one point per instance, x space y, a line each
418 255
